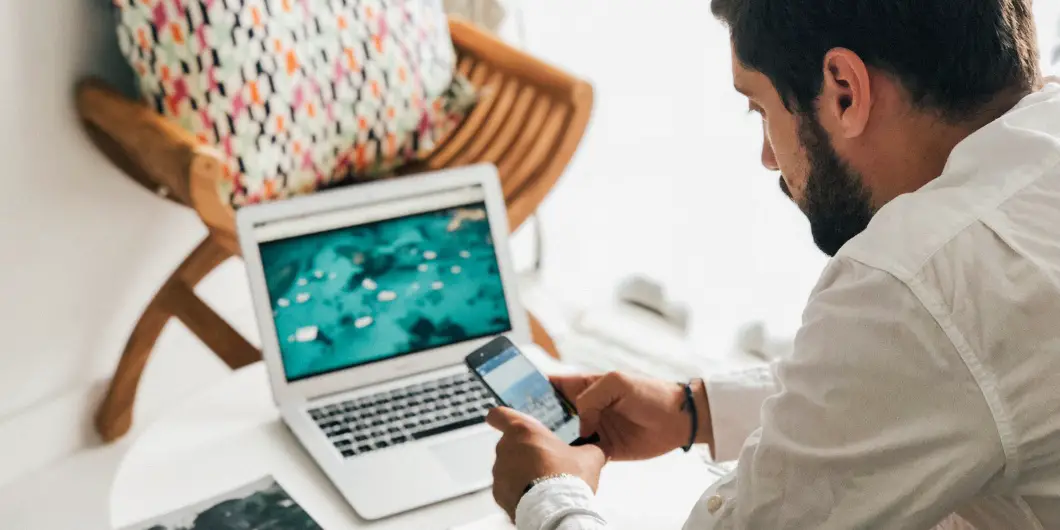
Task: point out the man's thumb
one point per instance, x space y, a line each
596 399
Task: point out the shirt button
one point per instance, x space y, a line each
714 503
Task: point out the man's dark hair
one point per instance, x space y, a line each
952 56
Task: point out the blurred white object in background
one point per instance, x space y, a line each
643 331
753 339
650 295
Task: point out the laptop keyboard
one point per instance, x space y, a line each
369 423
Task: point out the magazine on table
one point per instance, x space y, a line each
261 504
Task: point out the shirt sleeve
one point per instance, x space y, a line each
559 504
878 422
735 401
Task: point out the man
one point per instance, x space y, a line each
920 141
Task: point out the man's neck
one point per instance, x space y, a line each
924 152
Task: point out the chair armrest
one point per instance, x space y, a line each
529 121
154 151
469 39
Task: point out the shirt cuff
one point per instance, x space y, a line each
548 503
735 407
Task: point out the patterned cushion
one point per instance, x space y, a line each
299 94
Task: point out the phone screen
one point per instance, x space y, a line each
519 385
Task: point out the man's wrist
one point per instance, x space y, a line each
705 435
682 421
548 478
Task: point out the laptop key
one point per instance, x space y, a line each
381 444
363 448
360 437
409 425
393 430
348 453
398 440
443 428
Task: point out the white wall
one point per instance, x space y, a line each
82 248
1048 14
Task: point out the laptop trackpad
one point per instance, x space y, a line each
468 460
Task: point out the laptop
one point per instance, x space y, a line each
368 298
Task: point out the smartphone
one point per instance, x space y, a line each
517 384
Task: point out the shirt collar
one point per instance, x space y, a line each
1027 133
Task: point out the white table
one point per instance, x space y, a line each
231 434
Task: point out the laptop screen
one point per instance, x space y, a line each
376 289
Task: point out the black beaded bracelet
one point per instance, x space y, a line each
690 406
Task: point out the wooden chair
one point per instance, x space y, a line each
529 121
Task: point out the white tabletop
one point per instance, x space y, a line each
231 435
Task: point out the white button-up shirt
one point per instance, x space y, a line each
925 379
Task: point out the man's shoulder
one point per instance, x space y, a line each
913 229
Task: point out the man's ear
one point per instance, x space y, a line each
846 94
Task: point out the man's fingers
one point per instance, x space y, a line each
598 398
509 421
572 386
503 419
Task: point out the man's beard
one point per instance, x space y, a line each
835 201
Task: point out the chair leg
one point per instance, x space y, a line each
114 416
541 337
211 329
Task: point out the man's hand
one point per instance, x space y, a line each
529 451
636 418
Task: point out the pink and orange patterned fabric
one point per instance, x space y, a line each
299 94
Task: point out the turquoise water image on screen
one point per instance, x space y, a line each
371 292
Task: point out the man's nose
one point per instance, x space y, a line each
769 159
